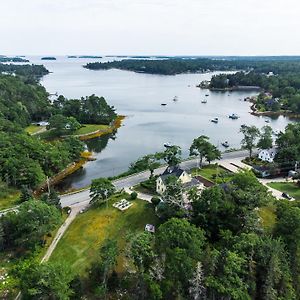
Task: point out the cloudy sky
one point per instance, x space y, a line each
165 27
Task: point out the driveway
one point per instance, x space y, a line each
75 209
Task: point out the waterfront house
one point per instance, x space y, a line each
267 155
186 179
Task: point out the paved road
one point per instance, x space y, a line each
75 198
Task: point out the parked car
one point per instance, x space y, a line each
287 196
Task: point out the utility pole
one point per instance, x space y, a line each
48 185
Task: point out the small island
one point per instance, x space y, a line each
48 58
15 59
90 56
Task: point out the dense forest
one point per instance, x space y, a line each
174 66
30 72
27 160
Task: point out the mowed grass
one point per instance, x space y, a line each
89 128
267 215
213 172
9 197
287 187
80 245
33 129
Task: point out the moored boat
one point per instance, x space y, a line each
233 116
225 144
168 145
215 120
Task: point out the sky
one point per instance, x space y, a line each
149 27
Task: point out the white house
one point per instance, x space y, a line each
186 179
267 154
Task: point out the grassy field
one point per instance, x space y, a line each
88 128
288 187
268 217
80 244
8 196
213 173
33 129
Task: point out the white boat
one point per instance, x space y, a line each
215 120
204 101
225 144
168 145
233 116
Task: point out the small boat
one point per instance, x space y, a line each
206 95
267 121
175 99
243 126
168 145
204 101
215 120
163 104
225 144
233 116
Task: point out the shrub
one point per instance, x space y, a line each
155 200
133 195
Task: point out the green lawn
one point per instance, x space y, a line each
8 196
288 187
80 244
33 129
268 216
214 173
88 128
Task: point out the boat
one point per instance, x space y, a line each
243 126
267 121
233 116
225 144
206 95
163 104
204 101
175 99
215 120
168 145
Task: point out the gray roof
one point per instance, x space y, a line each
171 171
193 183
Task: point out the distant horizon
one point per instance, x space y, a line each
152 55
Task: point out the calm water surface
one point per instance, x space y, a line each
148 124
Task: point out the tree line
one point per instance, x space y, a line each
172 66
283 87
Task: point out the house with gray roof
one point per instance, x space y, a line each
186 179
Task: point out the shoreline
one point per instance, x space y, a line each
85 157
91 135
269 113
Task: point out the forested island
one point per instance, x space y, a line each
15 59
173 66
48 58
27 71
